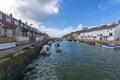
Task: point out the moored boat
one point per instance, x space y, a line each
58 50
45 50
109 46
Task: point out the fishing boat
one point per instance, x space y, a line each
109 46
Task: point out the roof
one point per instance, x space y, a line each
4 13
99 28
2 24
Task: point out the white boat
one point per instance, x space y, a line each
45 50
58 49
57 44
109 46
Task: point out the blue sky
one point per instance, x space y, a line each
59 17
86 12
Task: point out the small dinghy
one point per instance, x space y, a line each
45 50
58 50
57 44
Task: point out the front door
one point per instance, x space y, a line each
9 33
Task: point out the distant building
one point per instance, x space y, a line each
104 32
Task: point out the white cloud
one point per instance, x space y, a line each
34 10
80 27
55 32
114 1
103 8
99 6
104 19
64 22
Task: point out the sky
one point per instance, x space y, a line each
59 17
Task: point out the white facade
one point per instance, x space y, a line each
117 33
103 34
22 40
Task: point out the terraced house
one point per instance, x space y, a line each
105 32
14 32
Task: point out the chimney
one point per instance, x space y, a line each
11 16
19 21
26 22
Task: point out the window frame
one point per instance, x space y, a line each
8 19
22 25
0 15
101 34
9 33
110 34
16 22
3 32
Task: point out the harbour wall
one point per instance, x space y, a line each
93 42
12 65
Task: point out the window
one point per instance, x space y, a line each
110 34
111 29
100 34
18 32
25 26
0 16
9 33
8 19
22 24
16 22
3 32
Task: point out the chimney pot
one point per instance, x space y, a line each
20 20
11 15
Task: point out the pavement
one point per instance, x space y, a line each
4 53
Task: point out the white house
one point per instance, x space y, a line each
104 32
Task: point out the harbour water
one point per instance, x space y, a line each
77 61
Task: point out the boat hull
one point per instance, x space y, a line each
109 46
